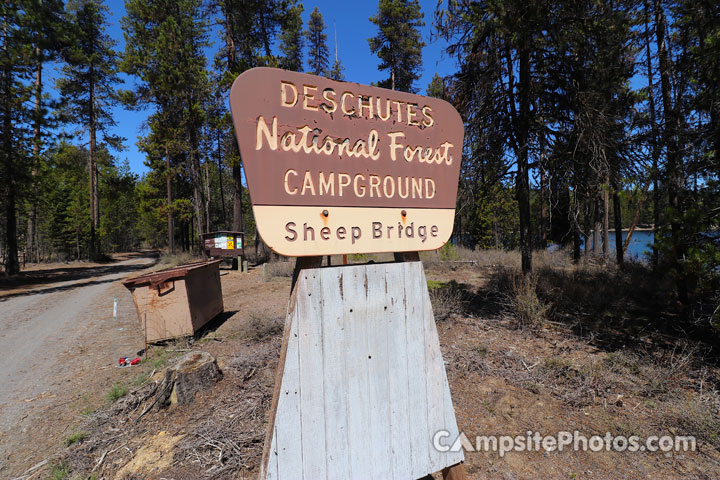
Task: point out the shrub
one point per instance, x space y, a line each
522 300
117 391
75 437
447 299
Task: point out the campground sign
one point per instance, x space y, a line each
337 167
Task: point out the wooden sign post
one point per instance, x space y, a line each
337 168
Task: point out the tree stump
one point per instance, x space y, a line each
194 372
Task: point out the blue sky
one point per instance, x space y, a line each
350 19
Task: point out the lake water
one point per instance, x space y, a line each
640 244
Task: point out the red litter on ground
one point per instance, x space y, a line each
125 361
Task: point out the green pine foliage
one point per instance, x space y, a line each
398 43
336 72
87 88
292 40
438 88
317 44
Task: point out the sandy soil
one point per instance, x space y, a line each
59 345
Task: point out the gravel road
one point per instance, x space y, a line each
55 342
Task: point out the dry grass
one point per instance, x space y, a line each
517 297
448 299
278 269
169 260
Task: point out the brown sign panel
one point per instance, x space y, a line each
337 167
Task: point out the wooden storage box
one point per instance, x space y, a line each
177 302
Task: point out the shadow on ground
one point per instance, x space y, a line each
39 278
612 309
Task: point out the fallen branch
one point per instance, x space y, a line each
529 369
107 452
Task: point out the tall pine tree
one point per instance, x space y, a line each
163 49
49 36
398 42
317 44
291 40
88 90
16 68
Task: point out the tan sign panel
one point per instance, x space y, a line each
338 167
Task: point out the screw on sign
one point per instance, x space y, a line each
339 168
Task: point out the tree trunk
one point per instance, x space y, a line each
222 185
655 140
597 227
195 372
606 218
674 177
576 242
522 180
617 216
12 266
207 197
196 179
237 199
543 226
32 241
170 219
92 172
636 217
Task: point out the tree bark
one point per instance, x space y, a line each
12 266
168 185
222 185
617 216
543 224
674 177
522 180
606 218
92 172
597 227
32 246
207 197
237 198
196 176
655 140
236 168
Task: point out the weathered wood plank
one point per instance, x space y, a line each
358 377
415 286
377 360
334 374
288 427
312 394
400 414
363 387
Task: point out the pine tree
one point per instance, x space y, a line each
317 44
437 88
291 40
48 37
249 29
16 70
164 42
88 90
398 43
336 72
499 61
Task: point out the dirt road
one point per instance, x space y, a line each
58 341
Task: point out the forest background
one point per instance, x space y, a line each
584 121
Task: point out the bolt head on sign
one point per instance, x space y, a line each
338 167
